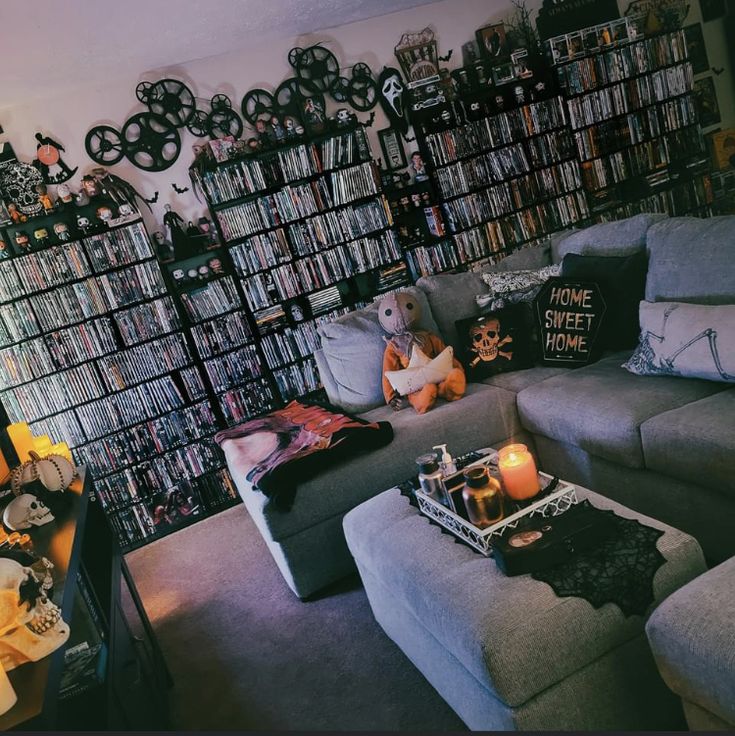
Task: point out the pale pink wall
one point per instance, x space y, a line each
68 116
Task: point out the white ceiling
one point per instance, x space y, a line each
52 44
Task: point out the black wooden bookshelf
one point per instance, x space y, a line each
69 373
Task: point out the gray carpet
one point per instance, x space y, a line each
246 654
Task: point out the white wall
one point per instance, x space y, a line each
72 112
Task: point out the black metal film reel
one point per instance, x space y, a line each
220 102
198 124
288 99
104 145
293 55
223 122
363 93
318 67
173 100
143 92
360 70
257 104
151 143
340 89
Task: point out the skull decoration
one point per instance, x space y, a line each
486 341
343 117
31 626
392 98
18 181
26 511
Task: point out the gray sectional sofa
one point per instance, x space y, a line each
664 446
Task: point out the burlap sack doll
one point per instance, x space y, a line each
417 367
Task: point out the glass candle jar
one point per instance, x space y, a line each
482 497
518 472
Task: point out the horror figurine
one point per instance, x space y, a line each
65 197
44 198
407 347
22 241
61 231
173 223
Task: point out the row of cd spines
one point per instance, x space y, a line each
295 202
626 97
496 236
135 524
637 127
283 166
623 62
641 160
79 301
60 264
164 472
497 131
507 204
309 236
685 198
292 280
89 422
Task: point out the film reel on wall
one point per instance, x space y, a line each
150 141
104 145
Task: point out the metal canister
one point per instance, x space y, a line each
483 498
430 478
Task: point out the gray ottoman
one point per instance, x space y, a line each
507 653
692 634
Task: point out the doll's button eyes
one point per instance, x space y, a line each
388 312
409 305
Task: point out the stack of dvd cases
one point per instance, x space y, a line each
92 352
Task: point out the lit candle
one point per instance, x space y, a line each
518 472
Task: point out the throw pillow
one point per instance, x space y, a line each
623 283
569 315
505 282
496 342
277 451
421 370
353 347
690 340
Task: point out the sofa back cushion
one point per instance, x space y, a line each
691 260
452 297
352 349
618 238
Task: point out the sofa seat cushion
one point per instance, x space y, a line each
516 381
600 407
691 635
695 442
485 415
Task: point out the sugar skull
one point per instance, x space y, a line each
18 181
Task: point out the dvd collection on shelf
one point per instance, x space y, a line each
92 352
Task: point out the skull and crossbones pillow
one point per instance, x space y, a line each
495 342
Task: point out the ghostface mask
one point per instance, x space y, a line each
392 92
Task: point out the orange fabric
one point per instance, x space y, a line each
450 389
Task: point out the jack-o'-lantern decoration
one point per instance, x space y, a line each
54 472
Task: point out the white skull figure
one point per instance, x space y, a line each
31 626
393 92
343 117
26 511
18 182
486 342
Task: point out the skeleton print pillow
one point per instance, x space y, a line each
495 342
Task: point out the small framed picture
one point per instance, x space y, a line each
705 99
492 41
393 153
696 50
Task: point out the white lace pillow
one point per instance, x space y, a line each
513 287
